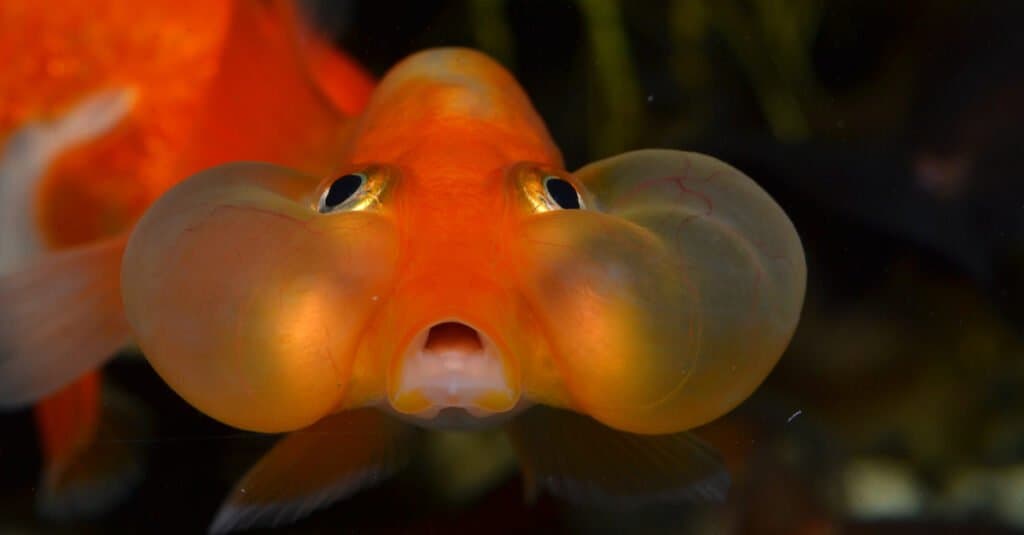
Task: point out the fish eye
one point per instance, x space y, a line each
341 190
562 193
544 190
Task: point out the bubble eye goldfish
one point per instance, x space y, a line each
453 273
456 265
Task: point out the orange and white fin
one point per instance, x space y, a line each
27 155
314 467
90 454
578 459
60 316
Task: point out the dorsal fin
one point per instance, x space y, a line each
267 103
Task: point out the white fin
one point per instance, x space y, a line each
31 150
60 317
578 459
314 467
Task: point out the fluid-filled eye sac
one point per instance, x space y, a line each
249 303
670 307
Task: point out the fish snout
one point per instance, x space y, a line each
452 365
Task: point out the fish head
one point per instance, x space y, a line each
452 264
453 128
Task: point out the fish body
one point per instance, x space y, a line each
107 105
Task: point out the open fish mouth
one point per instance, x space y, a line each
452 365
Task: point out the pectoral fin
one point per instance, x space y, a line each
314 467
576 458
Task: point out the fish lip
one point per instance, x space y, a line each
456 419
426 380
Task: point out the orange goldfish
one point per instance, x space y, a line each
450 273
106 105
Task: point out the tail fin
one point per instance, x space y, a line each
60 316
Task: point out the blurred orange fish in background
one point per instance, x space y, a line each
104 105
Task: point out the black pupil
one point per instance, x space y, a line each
341 189
563 193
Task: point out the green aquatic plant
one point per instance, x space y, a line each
491 31
615 103
771 42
